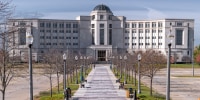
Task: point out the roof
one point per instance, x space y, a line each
102 7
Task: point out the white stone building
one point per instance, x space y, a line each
101 33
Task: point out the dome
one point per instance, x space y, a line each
102 7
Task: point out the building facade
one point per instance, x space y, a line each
101 34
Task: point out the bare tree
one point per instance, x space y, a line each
151 62
6 60
50 68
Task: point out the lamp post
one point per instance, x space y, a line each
76 59
64 74
120 57
81 76
139 58
170 36
29 40
125 58
84 64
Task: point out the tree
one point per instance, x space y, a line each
49 67
151 62
197 59
6 60
196 53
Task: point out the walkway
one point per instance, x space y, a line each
101 85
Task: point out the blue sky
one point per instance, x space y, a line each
132 9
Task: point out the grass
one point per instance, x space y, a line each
45 95
145 91
184 66
187 76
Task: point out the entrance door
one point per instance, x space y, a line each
102 55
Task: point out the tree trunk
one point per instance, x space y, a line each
151 79
135 77
50 85
132 77
3 94
58 82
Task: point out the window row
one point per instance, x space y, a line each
145 43
153 37
58 25
144 25
57 37
142 31
58 43
59 31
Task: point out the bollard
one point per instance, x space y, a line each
131 92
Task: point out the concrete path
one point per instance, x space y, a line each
101 85
182 88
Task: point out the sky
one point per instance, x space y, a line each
131 9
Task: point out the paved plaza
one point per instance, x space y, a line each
101 85
182 88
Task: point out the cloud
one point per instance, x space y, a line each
155 14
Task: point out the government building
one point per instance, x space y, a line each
102 34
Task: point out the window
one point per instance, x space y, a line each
101 36
154 24
147 31
110 17
159 31
54 25
41 24
75 25
179 23
68 25
41 30
61 25
48 31
126 44
54 37
179 37
41 37
127 25
159 24
55 31
134 25
153 31
61 31
48 25
134 44
147 25
101 25
68 31
68 43
92 25
110 36
126 31
93 36
75 37
68 37
110 25
126 37
140 31
140 25
61 37
101 17
54 43
75 31
93 17
133 31
75 43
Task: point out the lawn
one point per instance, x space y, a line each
184 66
45 95
145 91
